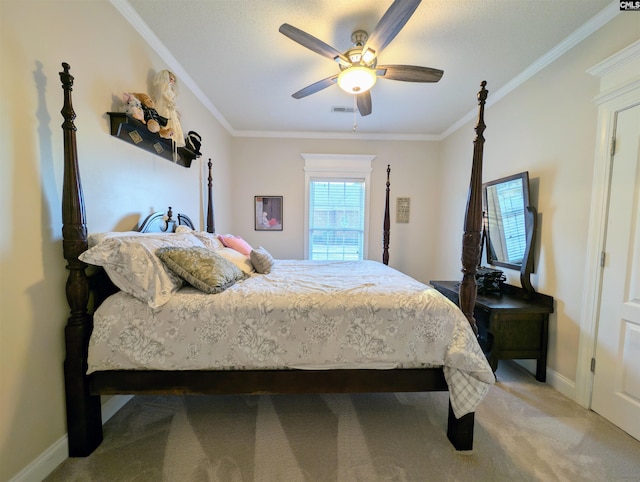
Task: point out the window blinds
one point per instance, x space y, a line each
336 219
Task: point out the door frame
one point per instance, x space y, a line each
619 89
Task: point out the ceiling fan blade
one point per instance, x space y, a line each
390 24
315 87
409 73
364 103
312 43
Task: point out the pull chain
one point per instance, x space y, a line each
355 115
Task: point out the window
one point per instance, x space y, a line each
336 219
336 206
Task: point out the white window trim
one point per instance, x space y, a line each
337 166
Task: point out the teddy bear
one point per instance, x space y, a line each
133 107
141 107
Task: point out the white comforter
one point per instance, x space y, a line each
303 315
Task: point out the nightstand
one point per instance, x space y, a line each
510 325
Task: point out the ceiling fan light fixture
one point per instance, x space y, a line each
357 79
368 56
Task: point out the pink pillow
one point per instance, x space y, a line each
237 243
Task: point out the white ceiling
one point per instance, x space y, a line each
231 54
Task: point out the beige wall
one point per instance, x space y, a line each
548 127
275 167
122 184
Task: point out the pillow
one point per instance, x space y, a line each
132 265
239 259
94 239
209 240
237 243
202 268
262 260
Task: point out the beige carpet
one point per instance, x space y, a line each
524 431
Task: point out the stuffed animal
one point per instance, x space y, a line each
154 121
194 141
133 107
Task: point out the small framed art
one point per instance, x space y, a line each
403 209
268 213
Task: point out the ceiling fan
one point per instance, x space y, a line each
359 67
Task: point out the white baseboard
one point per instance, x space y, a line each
562 384
57 453
45 463
111 406
554 379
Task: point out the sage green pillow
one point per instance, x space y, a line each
201 268
262 260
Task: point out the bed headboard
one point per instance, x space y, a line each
164 222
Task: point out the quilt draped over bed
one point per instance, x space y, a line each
303 315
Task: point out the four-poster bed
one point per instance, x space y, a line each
84 387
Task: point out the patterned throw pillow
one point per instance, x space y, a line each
262 260
201 268
130 261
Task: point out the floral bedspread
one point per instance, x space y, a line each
303 315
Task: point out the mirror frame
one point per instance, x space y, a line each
530 217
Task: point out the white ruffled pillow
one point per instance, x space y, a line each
239 259
132 265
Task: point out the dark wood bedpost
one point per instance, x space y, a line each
473 219
387 223
211 227
84 421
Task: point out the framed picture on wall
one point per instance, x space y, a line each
268 213
403 209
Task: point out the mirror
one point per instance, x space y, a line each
509 224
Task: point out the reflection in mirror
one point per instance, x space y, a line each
510 224
505 204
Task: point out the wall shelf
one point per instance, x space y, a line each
135 132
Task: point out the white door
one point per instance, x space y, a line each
616 388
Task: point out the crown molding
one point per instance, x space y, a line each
592 25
